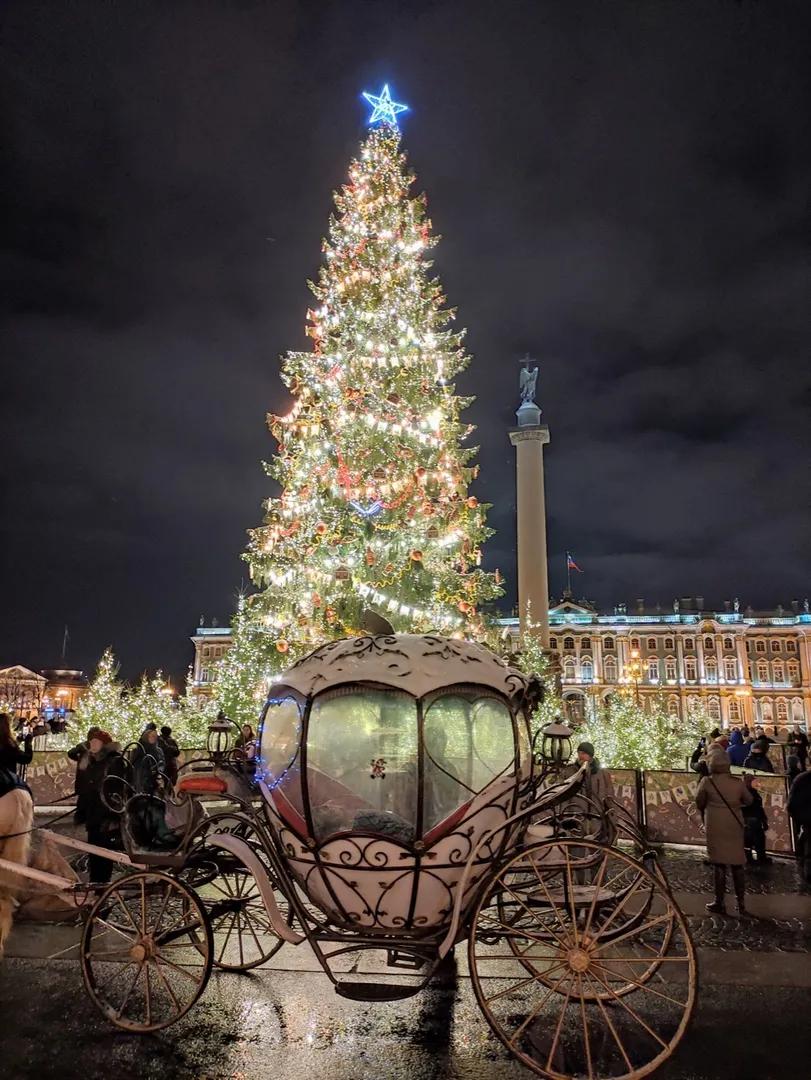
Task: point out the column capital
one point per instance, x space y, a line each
529 434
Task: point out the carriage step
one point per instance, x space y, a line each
374 991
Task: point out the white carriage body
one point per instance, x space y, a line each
384 761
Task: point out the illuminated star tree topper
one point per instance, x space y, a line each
383 108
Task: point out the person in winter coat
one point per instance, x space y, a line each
148 762
597 785
100 822
755 825
737 751
799 808
760 734
720 798
171 753
12 755
80 754
759 757
793 768
798 743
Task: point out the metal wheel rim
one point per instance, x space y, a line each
247 924
572 992
145 949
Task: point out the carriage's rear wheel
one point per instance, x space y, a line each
241 929
582 963
146 951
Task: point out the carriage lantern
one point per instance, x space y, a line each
219 736
556 745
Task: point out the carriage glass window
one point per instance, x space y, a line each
469 744
279 753
362 763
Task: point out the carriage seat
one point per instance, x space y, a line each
202 784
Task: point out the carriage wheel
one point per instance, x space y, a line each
242 932
146 951
582 963
631 898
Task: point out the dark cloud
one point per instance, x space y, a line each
623 191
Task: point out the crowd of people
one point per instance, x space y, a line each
735 819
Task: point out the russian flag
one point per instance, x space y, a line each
571 564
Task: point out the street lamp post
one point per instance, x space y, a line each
633 674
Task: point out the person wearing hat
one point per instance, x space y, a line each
597 785
81 755
720 799
759 757
100 822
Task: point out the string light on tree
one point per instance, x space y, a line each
374 508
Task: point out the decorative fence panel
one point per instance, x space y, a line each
671 815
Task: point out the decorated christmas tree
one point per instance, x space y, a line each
374 510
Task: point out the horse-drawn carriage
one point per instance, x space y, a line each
395 805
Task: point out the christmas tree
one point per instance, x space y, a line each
374 510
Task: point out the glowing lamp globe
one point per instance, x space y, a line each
556 745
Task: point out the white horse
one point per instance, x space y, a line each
16 820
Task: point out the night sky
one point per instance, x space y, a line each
623 191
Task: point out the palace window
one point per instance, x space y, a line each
762 671
711 671
797 710
651 644
794 672
760 645
673 706
670 668
779 671
709 644
569 669
634 643
568 643
729 644
734 710
714 708
669 645
782 710
690 670
608 643
689 643
766 711
205 652
585 644
204 675
777 644
553 643
791 645
653 670
586 670
610 669
731 669
575 708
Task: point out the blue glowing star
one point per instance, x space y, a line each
384 108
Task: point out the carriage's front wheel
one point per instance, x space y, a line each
146 951
582 963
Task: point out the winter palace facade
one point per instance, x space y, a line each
740 666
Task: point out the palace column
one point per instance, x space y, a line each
529 439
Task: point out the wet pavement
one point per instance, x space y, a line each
282 1025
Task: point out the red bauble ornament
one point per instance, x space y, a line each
321 528
282 646
463 605
370 557
416 555
472 502
388 568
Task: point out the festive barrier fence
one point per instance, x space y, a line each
666 811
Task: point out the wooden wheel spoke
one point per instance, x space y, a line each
528 1020
564 942
640 985
597 886
629 1010
115 975
116 929
637 930
148 997
162 911
161 959
128 994
227 936
559 1027
620 907
611 1027
169 989
523 982
250 926
127 911
585 1019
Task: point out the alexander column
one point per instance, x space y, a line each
529 438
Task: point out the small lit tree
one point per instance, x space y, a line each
104 705
626 736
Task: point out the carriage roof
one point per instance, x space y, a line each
417 664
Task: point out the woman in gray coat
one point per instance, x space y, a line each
720 797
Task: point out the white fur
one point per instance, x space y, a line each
16 816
